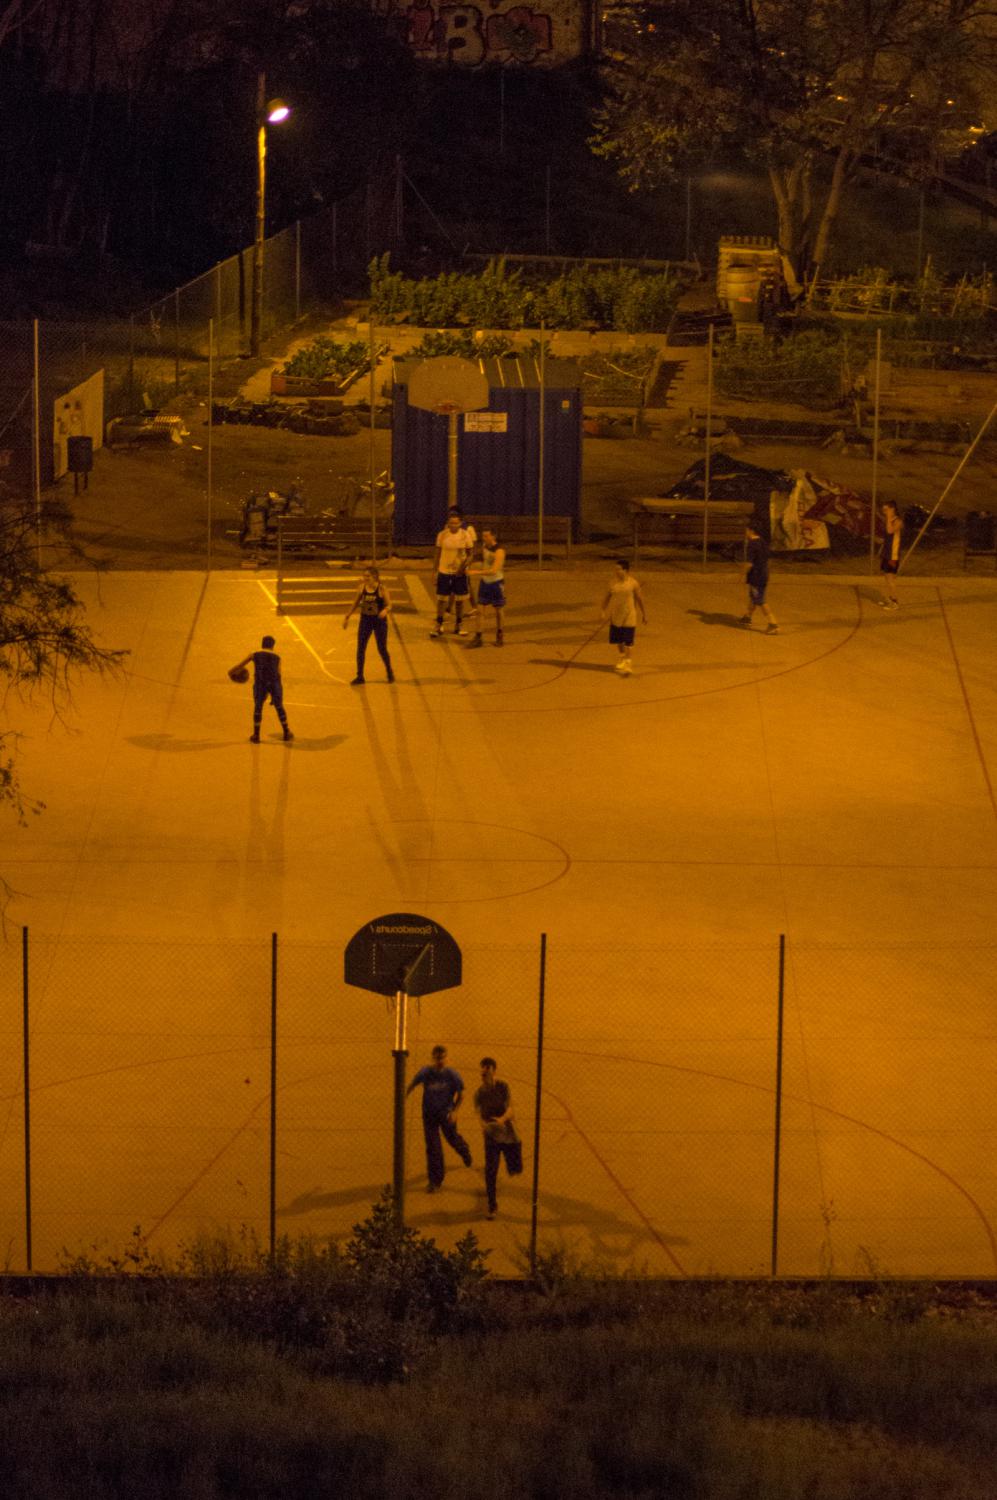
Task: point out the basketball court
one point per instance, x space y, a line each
833 783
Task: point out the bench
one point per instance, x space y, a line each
683 526
321 536
517 533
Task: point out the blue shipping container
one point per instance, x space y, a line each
498 473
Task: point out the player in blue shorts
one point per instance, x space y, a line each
757 580
491 580
454 546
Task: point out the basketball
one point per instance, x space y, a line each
239 674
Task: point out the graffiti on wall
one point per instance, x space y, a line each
470 35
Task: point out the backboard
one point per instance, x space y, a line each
402 952
448 384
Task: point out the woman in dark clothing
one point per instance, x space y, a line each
374 603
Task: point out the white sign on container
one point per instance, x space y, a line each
486 421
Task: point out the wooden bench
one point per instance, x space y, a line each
517 533
321 537
683 526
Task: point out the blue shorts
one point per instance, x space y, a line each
448 584
757 592
622 635
491 593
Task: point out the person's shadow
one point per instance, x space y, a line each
717 617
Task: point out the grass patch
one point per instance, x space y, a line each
159 1386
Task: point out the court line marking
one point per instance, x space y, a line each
968 707
301 637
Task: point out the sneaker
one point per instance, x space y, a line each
772 630
432 1187
459 630
893 604
254 739
288 735
391 676
499 640
476 642
491 1213
625 669
358 682
745 620
437 628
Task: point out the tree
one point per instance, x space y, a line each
807 88
45 641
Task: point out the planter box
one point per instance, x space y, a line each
300 385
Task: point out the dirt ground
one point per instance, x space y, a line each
148 507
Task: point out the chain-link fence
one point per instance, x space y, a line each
739 1109
69 378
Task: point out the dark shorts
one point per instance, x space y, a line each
888 566
757 592
491 593
622 635
451 584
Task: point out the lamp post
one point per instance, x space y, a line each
266 114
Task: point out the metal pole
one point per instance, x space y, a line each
36 440
27 1097
256 303
501 73
961 465
400 1053
372 455
547 212
218 296
452 458
335 247
778 1106
131 361
537 1106
176 339
688 218
709 436
297 270
920 234
273 1096
875 450
542 445
211 425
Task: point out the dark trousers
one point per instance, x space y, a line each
261 692
494 1152
433 1128
372 625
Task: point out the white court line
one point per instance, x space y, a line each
418 593
302 637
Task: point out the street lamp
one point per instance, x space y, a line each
266 114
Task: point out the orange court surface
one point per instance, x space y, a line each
834 783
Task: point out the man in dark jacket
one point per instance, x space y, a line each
757 579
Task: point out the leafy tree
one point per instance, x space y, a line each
807 88
45 641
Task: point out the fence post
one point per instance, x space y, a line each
27 1097
209 475
273 1096
875 451
218 297
778 1108
537 1106
131 404
297 270
709 439
36 439
335 243
176 339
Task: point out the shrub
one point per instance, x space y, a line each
327 359
805 369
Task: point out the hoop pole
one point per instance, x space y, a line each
27 1096
709 438
452 458
400 1053
542 447
273 1096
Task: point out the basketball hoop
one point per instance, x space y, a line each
446 408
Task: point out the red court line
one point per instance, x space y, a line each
968 706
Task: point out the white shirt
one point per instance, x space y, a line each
455 549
